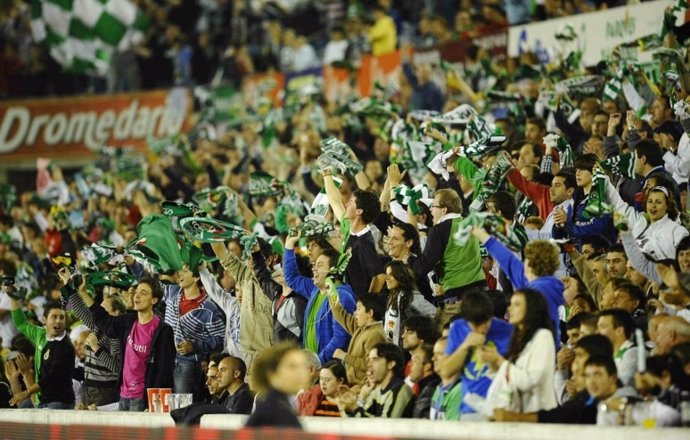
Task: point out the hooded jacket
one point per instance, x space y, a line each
549 286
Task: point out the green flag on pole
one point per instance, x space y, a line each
82 35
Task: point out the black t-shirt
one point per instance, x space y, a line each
57 370
365 263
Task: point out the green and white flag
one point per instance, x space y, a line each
614 86
621 165
82 35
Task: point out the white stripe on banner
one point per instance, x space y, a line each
88 11
57 18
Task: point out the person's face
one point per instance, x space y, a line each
583 178
517 309
605 328
533 134
599 383
609 106
410 341
235 249
634 276
378 367
558 191
80 345
212 380
482 328
657 207
527 156
398 247
439 355
226 374
329 383
658 112
351 210
314 251
107 305
292 373
320 271
578 365
600 125
417 369
595 145
573 336
622 300
437 211
579 306
143 298
684 260
361 315
616 264
227 282
391 282
55 323
664 338
587 249
185 278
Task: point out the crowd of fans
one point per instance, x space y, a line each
200 42
528 265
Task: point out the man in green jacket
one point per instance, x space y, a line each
458 268
53 358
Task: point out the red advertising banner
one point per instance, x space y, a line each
78 126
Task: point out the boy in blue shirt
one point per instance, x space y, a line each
477 328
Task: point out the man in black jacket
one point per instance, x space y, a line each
235 395
147 344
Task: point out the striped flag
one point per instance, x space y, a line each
82 35
614 86
621 165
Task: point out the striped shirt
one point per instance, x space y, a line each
102 368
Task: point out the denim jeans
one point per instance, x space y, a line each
56 405
133 405
184 376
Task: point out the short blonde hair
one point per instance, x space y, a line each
543 256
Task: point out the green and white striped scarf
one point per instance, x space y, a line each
621 165
493 224
596 201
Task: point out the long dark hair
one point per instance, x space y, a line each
536 318
406 285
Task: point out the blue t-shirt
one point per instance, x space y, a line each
475 374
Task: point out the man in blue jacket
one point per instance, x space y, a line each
542 259
577 225
322 334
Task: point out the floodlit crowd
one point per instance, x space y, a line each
519 254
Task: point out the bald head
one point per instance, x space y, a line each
671 331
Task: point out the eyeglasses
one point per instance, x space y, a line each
435 206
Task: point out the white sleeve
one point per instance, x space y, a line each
540 360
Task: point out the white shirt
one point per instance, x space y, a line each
335 51
7 329
533 373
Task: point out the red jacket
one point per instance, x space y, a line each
538 193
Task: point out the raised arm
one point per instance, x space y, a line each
333 195
511 265
296 281
619 204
